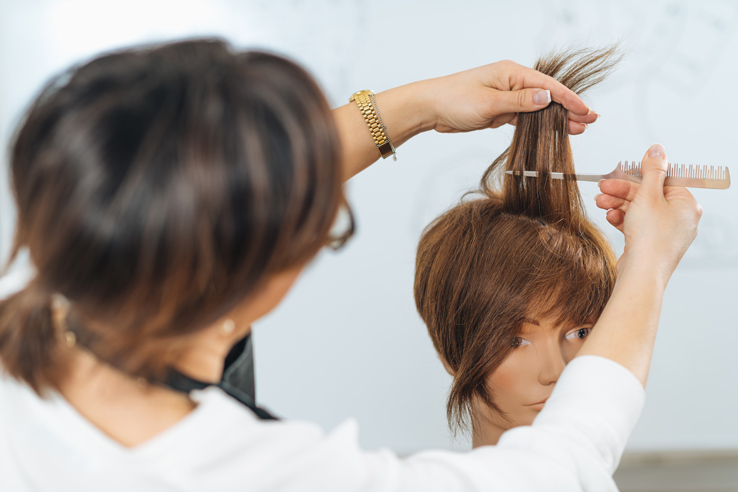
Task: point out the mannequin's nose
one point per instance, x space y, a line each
552 364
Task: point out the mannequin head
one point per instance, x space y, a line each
510 281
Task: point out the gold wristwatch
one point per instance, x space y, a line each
368 107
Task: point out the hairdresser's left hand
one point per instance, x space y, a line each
483 97
492 95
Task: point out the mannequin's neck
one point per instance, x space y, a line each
485 433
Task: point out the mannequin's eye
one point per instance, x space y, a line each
519 342
579 333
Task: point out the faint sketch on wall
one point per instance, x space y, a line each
672 44
716 245
681 51
330 51
571 22
686 42
442 189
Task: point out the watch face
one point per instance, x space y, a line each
358 93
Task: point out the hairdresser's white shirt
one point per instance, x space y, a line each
574 444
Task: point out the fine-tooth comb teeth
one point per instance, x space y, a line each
676 175
683 175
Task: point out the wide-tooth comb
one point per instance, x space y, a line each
717 178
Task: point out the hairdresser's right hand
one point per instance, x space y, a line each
659 223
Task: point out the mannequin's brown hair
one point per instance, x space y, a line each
523 249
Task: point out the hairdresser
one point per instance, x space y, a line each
169 197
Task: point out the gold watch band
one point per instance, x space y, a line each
367 106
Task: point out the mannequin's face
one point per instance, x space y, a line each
527 376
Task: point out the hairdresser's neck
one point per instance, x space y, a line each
204 358
207 349
131 412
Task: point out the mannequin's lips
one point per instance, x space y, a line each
540 403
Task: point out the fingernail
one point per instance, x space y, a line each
657 151
585 125
599 183
542 97
598 195
594 113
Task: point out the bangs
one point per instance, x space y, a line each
571 278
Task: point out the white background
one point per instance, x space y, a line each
347 341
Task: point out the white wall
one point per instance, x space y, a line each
347 341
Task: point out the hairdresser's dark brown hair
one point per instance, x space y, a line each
157 188
520 250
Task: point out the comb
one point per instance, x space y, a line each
717 178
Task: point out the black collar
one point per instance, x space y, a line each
179 382
237 380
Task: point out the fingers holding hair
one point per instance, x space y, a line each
528 78
531 90
578 123
574 127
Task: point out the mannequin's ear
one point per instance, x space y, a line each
446 366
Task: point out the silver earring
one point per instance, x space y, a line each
228 326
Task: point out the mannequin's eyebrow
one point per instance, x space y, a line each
531 321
